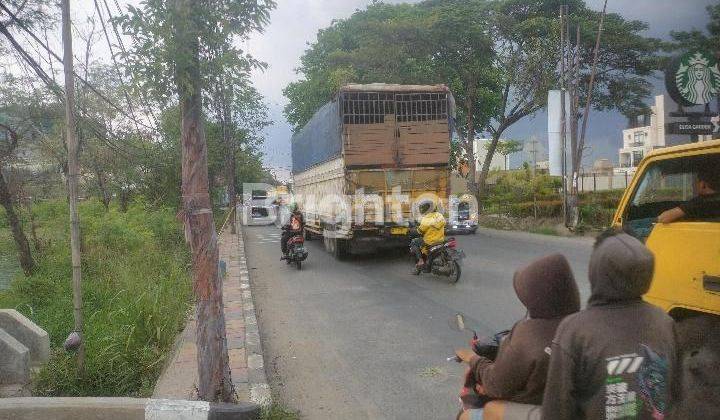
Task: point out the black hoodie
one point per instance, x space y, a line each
617 358
548 290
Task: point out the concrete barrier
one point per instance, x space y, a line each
26 332
122 409
14 360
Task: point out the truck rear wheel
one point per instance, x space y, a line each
329 241
341 249
337 247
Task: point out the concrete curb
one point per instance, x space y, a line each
123 409
257 379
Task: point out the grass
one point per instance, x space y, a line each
136 294
278 412
9 266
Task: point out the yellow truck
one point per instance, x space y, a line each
687 272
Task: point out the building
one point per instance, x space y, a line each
543 166
498 163
644 134
602 167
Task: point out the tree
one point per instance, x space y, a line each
31 13
462 53
506 148
499 57
381 43
698 39
7 200
433 42
180 47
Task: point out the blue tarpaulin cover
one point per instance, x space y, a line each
320 140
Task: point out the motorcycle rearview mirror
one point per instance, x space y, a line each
459 323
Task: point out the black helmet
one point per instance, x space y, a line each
426 206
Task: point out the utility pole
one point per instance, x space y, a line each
596 52
73 174
563 112
533 152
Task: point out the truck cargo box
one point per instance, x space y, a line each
378 126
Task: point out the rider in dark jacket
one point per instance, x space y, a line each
548 290
293 228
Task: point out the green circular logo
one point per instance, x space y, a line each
697 78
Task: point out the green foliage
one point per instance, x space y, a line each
508 147
517 194
158 53
136 296
163 180
374 45
9 266
32 14
181 47
520 186
278 412
499 58
698 39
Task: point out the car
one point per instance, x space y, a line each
465 223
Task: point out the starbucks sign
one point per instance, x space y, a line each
693 78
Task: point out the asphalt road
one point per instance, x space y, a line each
365 339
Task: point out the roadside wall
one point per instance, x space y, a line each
591 182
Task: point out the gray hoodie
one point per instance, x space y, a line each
617 358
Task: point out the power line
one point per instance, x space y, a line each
56 88
31 61
57 57
121 44
59 92
117 69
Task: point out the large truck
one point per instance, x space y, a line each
373 150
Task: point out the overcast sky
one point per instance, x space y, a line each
295 23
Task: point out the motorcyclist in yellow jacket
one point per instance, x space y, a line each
432 229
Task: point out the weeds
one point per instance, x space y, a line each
136 294
278 412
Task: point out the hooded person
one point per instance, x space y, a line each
294 227
616 359
547 288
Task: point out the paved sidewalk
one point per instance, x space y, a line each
179 381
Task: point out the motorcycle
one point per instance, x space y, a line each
443 260
471 395
296 250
